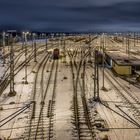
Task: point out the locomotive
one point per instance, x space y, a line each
56 53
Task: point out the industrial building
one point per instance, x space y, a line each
121 63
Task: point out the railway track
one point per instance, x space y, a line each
41 120
83 128
126 95
5 82
35 91
16 59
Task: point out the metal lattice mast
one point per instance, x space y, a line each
23 41
96 77
26 82
46 42
32 37
12 91
103 60
64 39
34 42
64 47
3 44
89 46
134 39
61 40
126 43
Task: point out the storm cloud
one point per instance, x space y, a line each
70 16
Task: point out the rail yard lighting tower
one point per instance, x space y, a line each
12 91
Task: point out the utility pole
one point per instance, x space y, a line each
23 44
46 42
64 47
61 40
134 39
34 46
52 39
8 42
129 58
32 37
122 40
96 78
127 42
137 38
3 44
103 61
89 47
25 36
100 41
12 91
35 52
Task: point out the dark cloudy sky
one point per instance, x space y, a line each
70 15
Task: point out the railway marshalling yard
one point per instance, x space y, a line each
91 92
